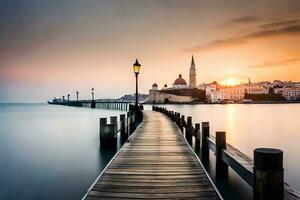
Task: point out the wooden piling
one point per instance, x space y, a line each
204 146
93 104
188 131
108 136
268 174
114 120
182 123
103 121
124 135
221 166
128 122
197 137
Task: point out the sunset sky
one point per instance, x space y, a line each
53 47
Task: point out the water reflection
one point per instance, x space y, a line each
50 152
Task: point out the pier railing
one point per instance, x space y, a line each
111 105
264 174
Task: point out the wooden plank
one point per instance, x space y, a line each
156 164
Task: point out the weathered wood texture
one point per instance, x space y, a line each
243 166
156 164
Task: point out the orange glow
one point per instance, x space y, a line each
230 82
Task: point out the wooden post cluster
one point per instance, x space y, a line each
268 175
108 134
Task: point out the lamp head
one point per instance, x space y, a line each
136 67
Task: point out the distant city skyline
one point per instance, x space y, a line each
52 48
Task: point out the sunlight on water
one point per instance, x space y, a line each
256 125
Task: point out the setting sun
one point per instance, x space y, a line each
230 82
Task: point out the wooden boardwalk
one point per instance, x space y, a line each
157 163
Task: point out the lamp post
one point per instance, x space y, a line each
77 93
93 92
93 103
136 70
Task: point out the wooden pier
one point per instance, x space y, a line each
112 105
156 163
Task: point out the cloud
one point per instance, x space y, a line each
280 24
283 27
276 63
241 21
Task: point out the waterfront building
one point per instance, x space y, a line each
216 93
291 93
167 95
255 89
179 92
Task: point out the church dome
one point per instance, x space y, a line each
180 81
155 85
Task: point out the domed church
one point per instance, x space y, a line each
180 92
180 82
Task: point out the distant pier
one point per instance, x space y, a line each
113 105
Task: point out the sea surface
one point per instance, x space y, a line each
250 126
50 151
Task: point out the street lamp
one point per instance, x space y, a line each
136 70
77 93
93 92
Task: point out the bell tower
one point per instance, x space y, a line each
193 81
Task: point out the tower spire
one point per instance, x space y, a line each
193 82
193 62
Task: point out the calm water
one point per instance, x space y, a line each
250 126
49 152
52 152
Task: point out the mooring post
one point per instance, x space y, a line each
268 174
124 135
103 121
204 146
132 122
114 120
177 117
108 136
128 123
181 123
172 115
189 129
221 166
197 136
